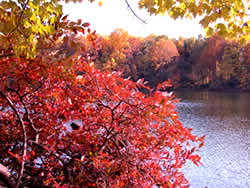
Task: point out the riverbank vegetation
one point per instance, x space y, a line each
213 63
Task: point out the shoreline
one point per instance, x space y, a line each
222 90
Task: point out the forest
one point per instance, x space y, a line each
212 63
72 113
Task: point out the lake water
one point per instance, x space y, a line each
225 120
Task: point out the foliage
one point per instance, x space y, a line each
134 57
26 25
228 18
187 62
118 136
245 61
65 123
162 51
210 57
113 50
230 66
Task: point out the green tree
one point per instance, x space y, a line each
230 66
245 61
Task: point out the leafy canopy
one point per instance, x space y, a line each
26 25
229 17
89 129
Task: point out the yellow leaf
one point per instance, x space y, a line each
100 3
209 31
182 6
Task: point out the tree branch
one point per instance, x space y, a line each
28 116
134 13
5 177
20 174
20 18
7 55
50 152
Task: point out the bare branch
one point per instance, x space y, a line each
28 116
143 21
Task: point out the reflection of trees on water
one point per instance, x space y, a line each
224 118
218 104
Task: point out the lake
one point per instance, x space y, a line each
225 120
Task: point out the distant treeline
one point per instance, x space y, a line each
210 63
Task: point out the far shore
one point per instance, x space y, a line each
223 90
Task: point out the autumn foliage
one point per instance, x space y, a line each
118 135
213 63
64 123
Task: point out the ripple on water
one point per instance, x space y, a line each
226 154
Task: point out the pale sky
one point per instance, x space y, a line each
115 14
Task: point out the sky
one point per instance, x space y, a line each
116 14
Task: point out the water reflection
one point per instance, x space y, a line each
225 120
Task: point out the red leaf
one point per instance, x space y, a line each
65 17
85 24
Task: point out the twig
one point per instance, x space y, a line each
36 89
20 18
49 151
7 55
143 21
28 116
20 174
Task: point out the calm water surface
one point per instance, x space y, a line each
225 120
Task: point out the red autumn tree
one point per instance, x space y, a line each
83 127
64 123
245 60
210 58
